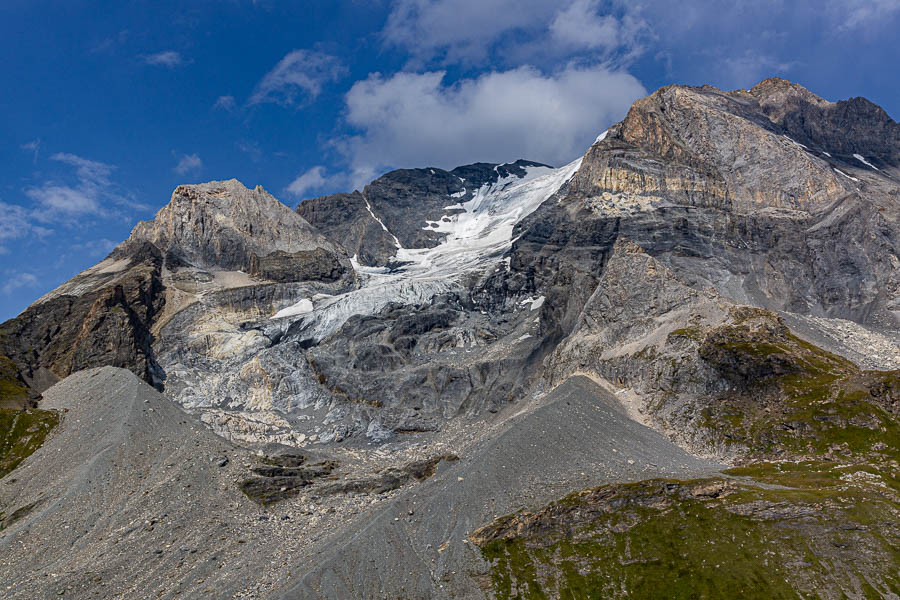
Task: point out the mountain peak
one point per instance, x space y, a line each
776 90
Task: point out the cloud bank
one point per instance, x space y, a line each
418 119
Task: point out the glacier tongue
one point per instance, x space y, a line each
476 239
480 236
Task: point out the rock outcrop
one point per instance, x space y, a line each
210 237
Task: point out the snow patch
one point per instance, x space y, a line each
523 337
839 172
826 154
796 143
536 303
865 162
303 307
601 137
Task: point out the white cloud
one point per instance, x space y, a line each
313 179
582 25
169 58
85 198
225 103
461 30
89 171
94 194
514 31
414 119
15 223
64 199
298 78
858 14
188 163
19 280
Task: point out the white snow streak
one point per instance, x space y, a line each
865 162
536 303
369 208
839 172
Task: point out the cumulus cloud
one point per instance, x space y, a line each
168 58
584 25
84 198
188 163
226 103
414 119
18 280
461 29
298 78
312 179
513 31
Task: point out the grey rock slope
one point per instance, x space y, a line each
123 500
129 478
223 225
417 547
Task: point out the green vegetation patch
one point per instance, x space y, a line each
21 433
13 392
711 538
791 399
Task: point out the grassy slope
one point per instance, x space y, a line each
814 512
21 433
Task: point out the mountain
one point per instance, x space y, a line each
596 380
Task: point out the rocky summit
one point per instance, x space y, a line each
670 368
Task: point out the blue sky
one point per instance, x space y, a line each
107 106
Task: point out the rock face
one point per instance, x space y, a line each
716 281
102 317
223 225
699 179
210 237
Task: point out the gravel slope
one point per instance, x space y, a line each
416 548
128 501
